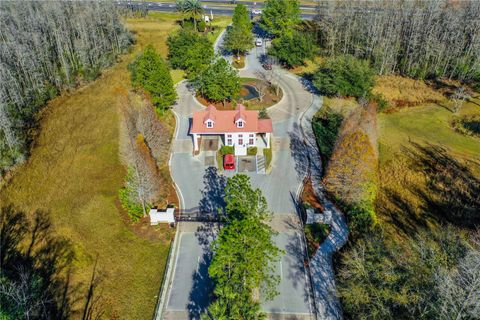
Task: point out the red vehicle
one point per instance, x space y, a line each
229 162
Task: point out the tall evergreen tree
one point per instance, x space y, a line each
239 37
280 16
151 72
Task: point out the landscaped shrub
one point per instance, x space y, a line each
315 234
252 151
227 150
267 153
326 126
202 26
187 24
467 125
344 76
263 114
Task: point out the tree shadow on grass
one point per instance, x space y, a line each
448 192
36 276
36 270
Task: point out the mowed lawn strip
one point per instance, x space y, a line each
426 124
74 172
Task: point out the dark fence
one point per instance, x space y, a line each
197 216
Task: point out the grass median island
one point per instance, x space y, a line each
239 63
74 173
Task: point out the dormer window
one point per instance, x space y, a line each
240 124
209 124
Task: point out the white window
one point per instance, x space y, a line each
240 124
229 142
251 135
209 124
251 142
229 135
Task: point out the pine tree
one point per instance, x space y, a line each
280 16
239 37
151 72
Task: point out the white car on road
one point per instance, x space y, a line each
257 11
259 42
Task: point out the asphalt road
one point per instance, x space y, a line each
214 9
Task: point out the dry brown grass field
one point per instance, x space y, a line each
410 188
408 200
74 173
401 91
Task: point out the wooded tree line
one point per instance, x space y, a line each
435 38
47 47
433 275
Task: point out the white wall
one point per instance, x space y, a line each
236 137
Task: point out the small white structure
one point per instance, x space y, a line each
157 216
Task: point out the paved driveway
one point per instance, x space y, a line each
190 288
201 189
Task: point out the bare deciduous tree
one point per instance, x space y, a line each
459 290
47 47
459 97
265 83
144 185
415 38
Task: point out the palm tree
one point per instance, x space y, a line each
190 7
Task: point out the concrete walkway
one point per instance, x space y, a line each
321 265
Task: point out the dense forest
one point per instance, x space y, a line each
46 48
421 39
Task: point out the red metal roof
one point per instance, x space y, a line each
265 125
224 121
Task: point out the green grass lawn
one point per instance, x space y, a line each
427 124
74 173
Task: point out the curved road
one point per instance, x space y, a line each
295 155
